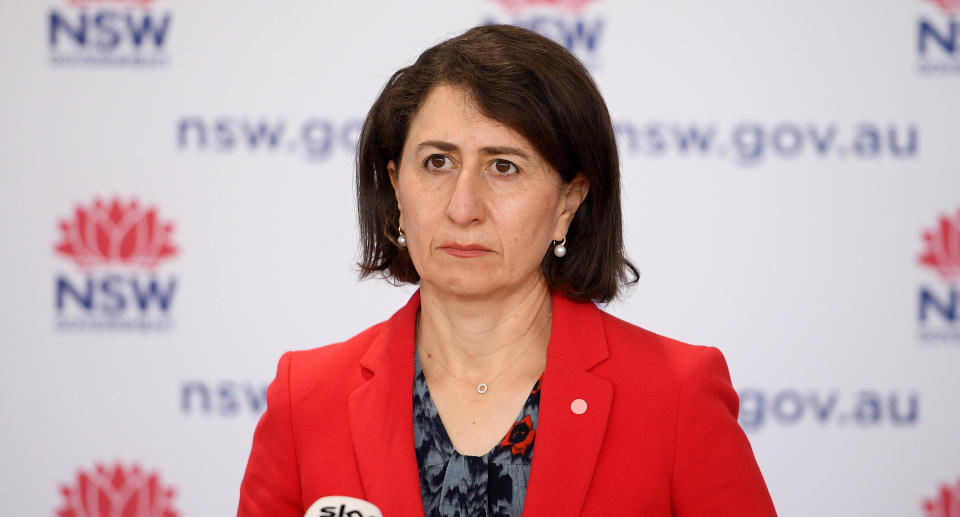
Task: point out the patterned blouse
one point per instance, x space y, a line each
453 485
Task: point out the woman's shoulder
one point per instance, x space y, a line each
647 366
636 347
337 363
349 350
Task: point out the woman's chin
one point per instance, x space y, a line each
466 287
472 284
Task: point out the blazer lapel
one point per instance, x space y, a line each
567 443
381 418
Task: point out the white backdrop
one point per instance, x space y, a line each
781 165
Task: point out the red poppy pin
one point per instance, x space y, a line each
520 436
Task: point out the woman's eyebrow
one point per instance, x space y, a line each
489 150
504 150
437 144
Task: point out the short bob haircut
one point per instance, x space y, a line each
540 90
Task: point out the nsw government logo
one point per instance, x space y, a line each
938 38
564 21
117 249
108 32
938 305
116 491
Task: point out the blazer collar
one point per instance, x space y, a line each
567 443
381 413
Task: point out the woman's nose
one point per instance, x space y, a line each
466 200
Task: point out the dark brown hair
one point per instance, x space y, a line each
537 88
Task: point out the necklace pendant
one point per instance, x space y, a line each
481 388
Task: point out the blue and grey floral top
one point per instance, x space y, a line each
453 485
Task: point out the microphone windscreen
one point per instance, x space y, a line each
342 506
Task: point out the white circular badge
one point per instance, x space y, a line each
342 506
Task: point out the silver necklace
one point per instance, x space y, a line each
483 386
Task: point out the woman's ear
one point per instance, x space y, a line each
576 192
572 196
392 171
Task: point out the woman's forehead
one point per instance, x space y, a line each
449 116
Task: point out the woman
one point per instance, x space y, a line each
487 172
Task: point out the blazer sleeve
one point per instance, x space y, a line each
271 483
715 473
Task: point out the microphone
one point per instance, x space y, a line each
342 506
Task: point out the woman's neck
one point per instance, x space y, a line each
478 338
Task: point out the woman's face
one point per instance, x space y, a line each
479 206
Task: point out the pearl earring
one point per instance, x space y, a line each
401 240
561 249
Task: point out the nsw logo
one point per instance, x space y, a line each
116 491
564 21
938 38
944 504
117 249
108 32
938 306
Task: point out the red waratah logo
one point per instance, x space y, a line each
943 248
116 233
945 504
117 492
948 6
572 5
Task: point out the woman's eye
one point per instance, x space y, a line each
505 167
439 161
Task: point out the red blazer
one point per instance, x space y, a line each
659 437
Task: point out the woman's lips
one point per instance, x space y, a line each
465 250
